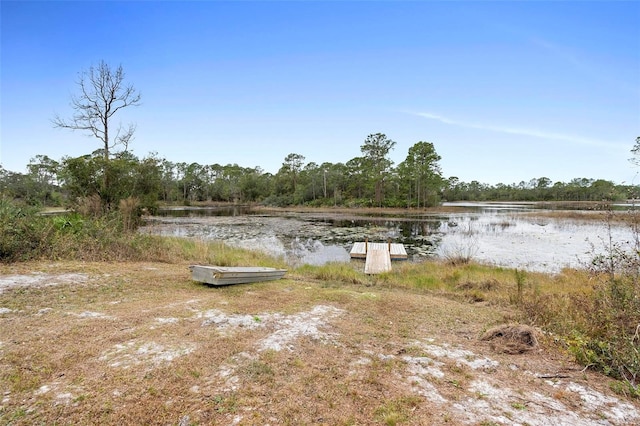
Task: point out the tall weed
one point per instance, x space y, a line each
129 209
601 324
23 234
463 250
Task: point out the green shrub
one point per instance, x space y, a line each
23 233
27 235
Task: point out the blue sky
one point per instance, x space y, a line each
506 91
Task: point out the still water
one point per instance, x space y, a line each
498 234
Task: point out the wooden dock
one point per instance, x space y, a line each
378 255
396 251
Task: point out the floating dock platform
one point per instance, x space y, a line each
378 255
396 251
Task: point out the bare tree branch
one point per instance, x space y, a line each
102 93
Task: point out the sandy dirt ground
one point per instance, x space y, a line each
83 344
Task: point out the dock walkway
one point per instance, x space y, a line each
378 261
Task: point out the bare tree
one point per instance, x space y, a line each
103 93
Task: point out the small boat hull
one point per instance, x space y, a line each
226 275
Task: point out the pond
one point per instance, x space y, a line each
494 233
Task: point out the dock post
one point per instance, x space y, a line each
366 245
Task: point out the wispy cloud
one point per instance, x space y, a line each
517 131
595 69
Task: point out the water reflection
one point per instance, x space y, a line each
537 244
204 211
493 207
499 235
314 252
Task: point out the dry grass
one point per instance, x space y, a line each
512 338
140 343
599 213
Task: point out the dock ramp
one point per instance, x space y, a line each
378 255
377 261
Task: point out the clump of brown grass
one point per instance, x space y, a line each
511 338
488 284
89 206
128 208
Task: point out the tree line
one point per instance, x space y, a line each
370 180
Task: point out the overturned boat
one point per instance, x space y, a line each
226 275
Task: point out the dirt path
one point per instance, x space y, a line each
141 343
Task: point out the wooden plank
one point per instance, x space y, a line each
378 261
398 251
358 251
